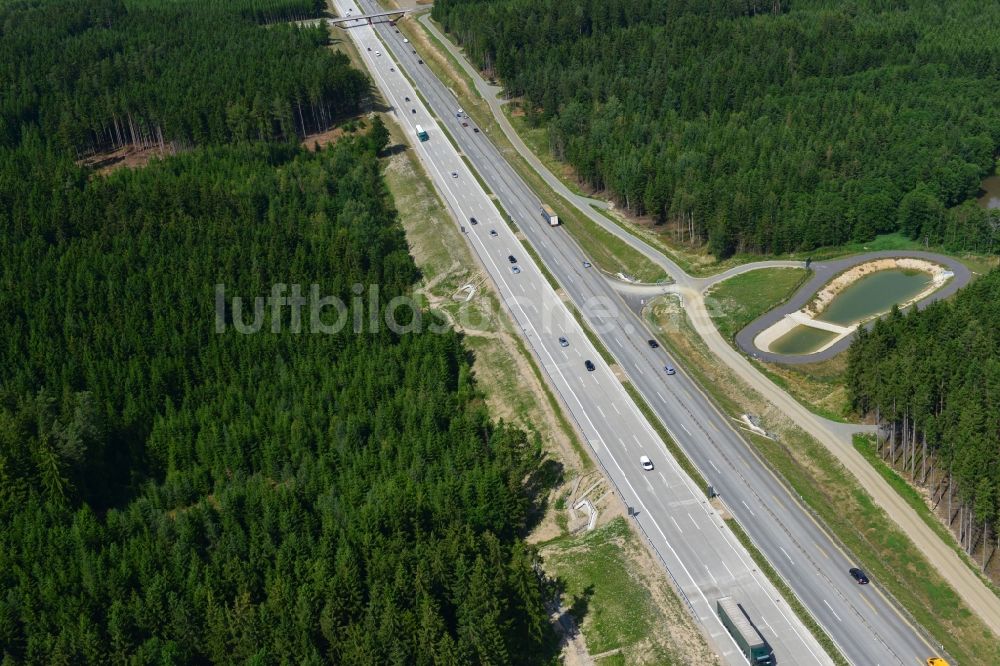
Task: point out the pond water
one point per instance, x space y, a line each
874 294
802 340
990 192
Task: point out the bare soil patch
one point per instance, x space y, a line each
322 139
127 156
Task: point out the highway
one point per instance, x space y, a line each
698 551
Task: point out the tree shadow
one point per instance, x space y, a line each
546 476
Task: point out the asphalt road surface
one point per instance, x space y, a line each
697 550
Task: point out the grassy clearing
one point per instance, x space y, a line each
619 605
742 298
835 497
818 386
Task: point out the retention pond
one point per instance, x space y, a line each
873 295
866 297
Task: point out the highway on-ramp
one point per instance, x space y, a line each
682 527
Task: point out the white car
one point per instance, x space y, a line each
646 463
378 53
405 40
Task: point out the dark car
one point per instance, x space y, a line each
859 575
589 365
476 130
465 124
407 99
653 344
511 258
413 110
493 232
419 61
473 221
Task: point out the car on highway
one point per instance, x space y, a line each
413 110
473 221
407 99
563 342
465 124
493 232
515 269
476 130
511 258
419 61
369 48
392 69
936 661
646 463
653 344
858 575
405 40
378 53
670 369
586 264
589 365
454 174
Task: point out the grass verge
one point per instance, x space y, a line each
599 246
758 557
621 614
742 298
793 602
834 496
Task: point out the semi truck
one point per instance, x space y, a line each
421 133
550 216
751 643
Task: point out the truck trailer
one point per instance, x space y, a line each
751 643
549 215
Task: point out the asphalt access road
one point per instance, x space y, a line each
823 272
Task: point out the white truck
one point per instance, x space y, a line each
549 215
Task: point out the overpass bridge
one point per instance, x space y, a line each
350 17
355 19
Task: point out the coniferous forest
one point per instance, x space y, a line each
761 127
932 379
172 494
